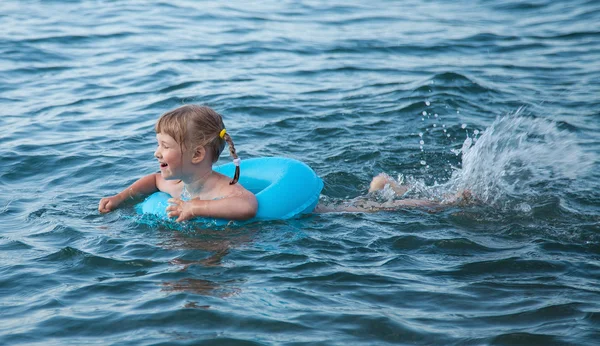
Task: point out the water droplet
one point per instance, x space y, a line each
457 112
448 135
422 119
423 162
427 103
435 115
434 125
443 125
464 126
445 130
421 142
421 134
476 132
424 113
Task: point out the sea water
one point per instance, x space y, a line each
498 98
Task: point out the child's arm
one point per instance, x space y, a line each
241 206
142 187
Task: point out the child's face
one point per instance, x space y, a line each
170 157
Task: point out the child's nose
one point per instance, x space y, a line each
157 154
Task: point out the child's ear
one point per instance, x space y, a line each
199 154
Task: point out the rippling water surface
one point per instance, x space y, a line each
499 97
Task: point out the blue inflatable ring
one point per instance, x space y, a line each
284 188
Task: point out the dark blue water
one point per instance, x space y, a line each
498 97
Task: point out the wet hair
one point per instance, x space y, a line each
192 126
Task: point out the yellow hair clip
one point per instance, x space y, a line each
222 133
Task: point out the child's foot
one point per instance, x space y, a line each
380 181
464 197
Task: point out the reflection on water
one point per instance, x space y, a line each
203 287
218 244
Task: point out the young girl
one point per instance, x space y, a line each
190 139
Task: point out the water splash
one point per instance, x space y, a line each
517 159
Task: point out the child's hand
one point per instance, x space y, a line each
109 204
183 210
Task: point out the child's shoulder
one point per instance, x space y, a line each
172 187
224 188
222 183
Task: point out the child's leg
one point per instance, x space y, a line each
366 206
463 197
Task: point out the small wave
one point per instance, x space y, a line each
508 266
70 39
178 86
457 80
76 258
14 245
524 338
513 6
411 243
577 35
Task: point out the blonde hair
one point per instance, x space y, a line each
192 126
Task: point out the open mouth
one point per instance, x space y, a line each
163 165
